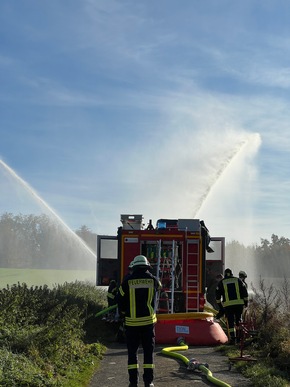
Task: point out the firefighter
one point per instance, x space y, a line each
136 299
243 276
231 298
112 291
111 298
211 289
130 270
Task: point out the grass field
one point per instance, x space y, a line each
35 277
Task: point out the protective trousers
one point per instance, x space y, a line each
144 335
234 317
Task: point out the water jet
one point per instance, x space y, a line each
53 254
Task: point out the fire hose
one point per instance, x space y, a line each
192 364
106 310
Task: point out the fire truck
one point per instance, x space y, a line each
181 252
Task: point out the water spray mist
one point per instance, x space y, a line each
32 192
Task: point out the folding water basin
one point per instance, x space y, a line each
197 328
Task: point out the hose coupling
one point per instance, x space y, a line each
180 341
193 365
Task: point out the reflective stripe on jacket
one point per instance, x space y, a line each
231 291
136 298
111 295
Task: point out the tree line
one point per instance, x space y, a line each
40 242
270 259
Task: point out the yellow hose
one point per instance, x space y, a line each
106 310
207 308
211 378
169 351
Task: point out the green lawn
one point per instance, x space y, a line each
35 277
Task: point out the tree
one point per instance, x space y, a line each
273 257
40 242
87 236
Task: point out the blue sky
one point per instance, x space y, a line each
162 108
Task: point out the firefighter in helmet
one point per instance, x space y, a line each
243 276
112 300
231 298
136 299
112 291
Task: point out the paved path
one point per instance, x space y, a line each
169 371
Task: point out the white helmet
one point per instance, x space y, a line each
140 260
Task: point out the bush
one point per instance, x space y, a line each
268 316
43 336
272 321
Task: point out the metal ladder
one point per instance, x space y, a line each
157 274
192 276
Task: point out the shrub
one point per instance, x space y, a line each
269 312
43 335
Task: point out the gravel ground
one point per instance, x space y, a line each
169 371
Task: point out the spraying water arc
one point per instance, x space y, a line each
37 246
251 139
32 192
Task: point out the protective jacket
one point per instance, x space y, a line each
112 292
136 298
231 291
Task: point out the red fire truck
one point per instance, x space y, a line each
181 252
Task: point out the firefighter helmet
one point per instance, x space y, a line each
130 265
140 260
228 273
242 274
